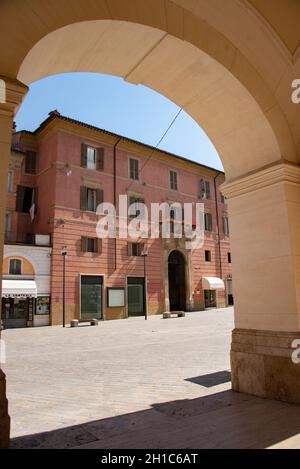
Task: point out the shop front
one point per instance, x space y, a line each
211 287
18 303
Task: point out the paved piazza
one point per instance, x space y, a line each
164 383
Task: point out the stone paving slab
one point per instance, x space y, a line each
135 383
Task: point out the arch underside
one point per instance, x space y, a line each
188 51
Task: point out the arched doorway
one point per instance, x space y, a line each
177 284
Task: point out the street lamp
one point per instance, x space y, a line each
144 255
64 253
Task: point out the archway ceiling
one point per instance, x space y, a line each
257 52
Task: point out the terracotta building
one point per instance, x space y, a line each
62 171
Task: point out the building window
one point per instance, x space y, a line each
229 257
204 189
7 227
92 158
91 244
223 199
135 249
9 181
225 226
15 267
30 162
26 197
134 169
136 210
208 222
173 181
90 198
207 256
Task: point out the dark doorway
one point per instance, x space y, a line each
91 296
136 296
176 273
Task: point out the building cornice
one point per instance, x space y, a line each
275 174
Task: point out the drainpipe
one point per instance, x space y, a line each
115 196
218 224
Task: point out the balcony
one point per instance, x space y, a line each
14 237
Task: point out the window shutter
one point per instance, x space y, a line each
99 245
83 244
99 197
30 162
207 189
20 198
209 222
100 159
83 198
84 155
129 249
140 248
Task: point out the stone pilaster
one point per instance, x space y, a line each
11 94
264 209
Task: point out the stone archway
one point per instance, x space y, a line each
231 68
177 281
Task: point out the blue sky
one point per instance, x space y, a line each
111 103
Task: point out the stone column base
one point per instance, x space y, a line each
4 417
261 364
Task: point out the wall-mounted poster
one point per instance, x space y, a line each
115 297
42 305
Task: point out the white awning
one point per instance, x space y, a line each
19 288
212 283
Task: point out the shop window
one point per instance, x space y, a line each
42 305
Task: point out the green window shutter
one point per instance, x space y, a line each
83 198
83 155
100 159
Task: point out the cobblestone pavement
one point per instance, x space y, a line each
133 383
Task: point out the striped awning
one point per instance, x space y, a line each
15 288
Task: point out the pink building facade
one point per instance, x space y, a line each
66 168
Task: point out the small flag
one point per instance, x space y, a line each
32 211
